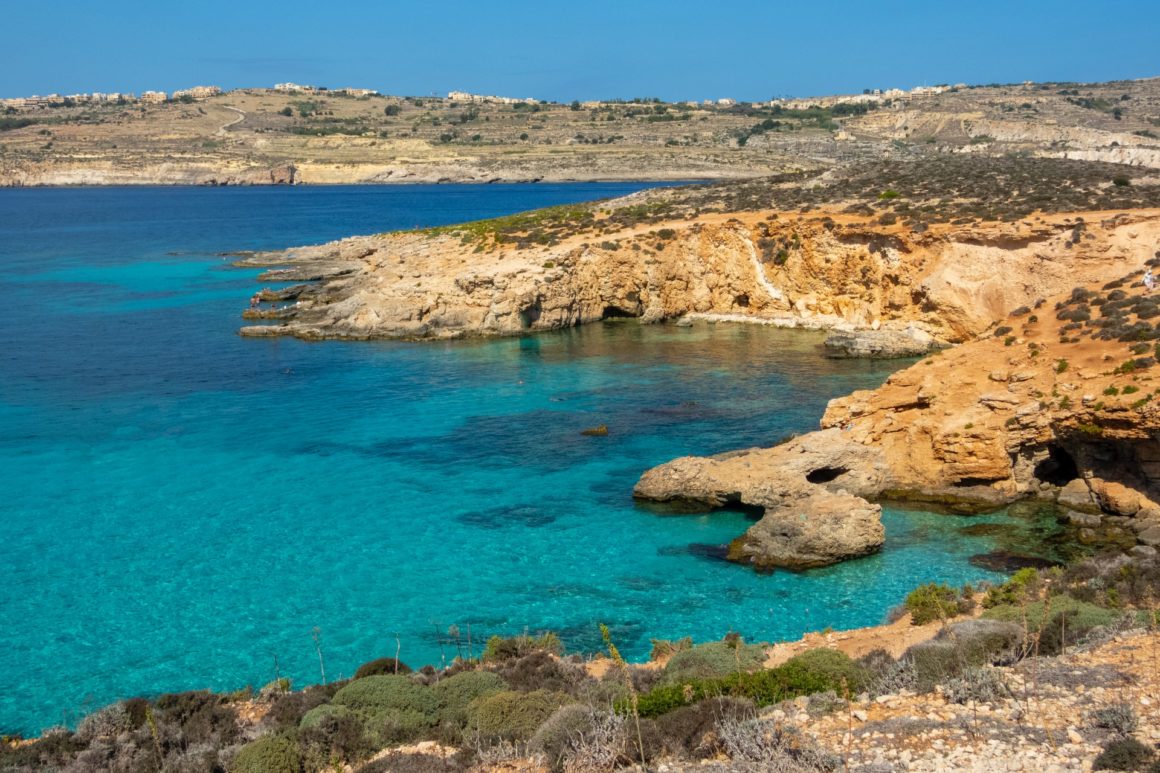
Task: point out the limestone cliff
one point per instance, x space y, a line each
1058 403
835 271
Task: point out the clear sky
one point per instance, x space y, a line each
586 49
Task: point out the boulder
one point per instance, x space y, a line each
1115 497
883 344
817 530
1077 496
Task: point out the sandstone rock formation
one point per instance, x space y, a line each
842 271
1059 405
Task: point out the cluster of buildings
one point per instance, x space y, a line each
480 99
291 88
102 98
869 97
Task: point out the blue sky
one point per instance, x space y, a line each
586 49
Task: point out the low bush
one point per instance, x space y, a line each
540 671
288 710
983 685
774 746
334 734
664 648
201 716
692 730
1059 621
105 723
1119 717
374 694
1020 587
381 666
512 716
500 648
932 602
556 736
1123 754
271 754
318 714
961 646
713 660
455 693
811 672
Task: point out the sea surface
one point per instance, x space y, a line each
184 508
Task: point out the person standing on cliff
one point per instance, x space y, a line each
1149 280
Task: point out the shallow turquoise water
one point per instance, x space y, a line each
181 505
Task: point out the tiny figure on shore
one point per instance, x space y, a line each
255 299
1149 280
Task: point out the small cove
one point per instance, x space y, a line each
183 506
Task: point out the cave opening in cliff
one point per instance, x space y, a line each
826 474
616 312
1058 468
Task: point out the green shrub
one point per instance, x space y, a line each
931 602
1020 587
391 726
338 733
512 716
821 669
1037 615
712 660
318 714
455 693
271 754
381 666
500 648
1123 754
811 672
374 694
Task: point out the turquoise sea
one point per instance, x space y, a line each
182 507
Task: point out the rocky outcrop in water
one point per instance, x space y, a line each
1061 404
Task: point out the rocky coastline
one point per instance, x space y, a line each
970 429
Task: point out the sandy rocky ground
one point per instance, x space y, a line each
1044 724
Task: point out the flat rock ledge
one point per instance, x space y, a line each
882 344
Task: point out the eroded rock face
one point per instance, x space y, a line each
837 272
817 530
974 428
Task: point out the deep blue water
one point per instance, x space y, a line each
180 505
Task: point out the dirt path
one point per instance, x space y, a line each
222 130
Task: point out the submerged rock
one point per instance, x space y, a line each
601 430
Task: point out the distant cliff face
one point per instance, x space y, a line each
813 269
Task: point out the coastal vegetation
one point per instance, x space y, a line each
525 699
